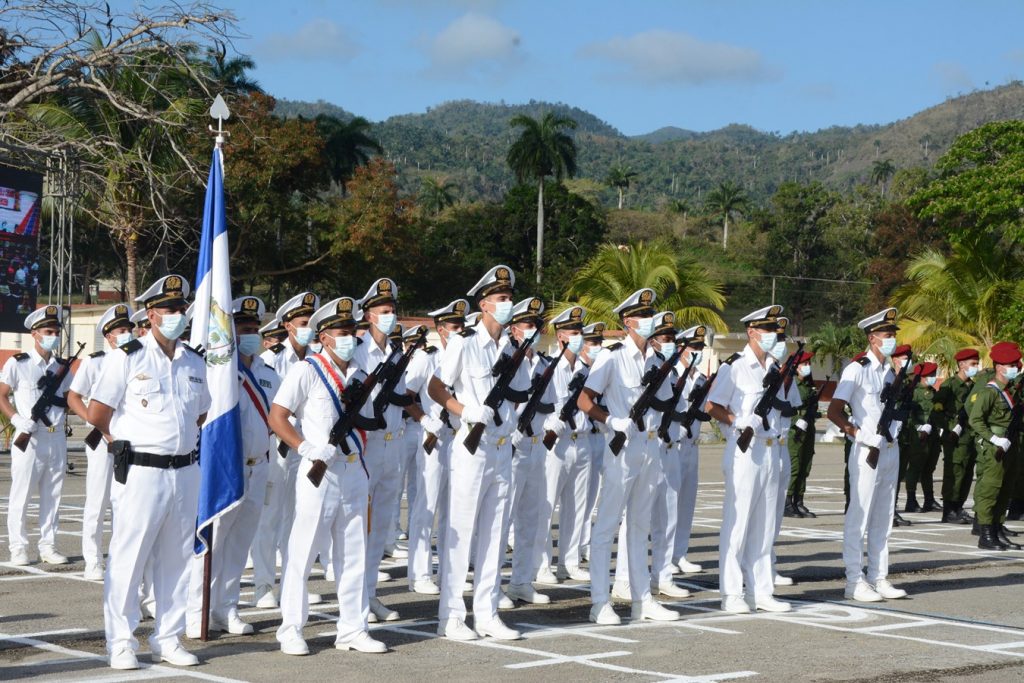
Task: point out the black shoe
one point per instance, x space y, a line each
799 503
912 505
949 514
790 510
976 528
896 518
931 505
988 539
1008 532
965 517
1002 535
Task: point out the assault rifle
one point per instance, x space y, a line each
540 385
772 383
677 392
50 384
569 408
505 370
652 382
892 407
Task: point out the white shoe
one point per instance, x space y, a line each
651 609
735 604
314 598
147 608
425 587
574 573
93 572
329 573
456 629
526 593
362 643
124 659
670 590
781 580
505 602
604 615
248 562
497 630
381 611
861 592
546 577
51 556
235 626
371 618
467 587
689 567
620 590
177 656
19 558
383 577
770 604
396 553
889 591
264 596
194 631
402 536
295 646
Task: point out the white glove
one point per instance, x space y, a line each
601 427
431 425
801 424
925 429
315 451
957 429
871 440
478 414
741 422
23 424
1000 442
621 424
517 442
552 423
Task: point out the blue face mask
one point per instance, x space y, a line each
667 349
502 312
345 347
779 350
767 340
50 342
575 343
249 344
645 327
888 346
971 371
593 352
386 322
303 335
930 381
122 338
172 325
1011 373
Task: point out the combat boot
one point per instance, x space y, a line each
1001 534
790 510
930 504
949 514
799 504
912 504
988 539
976 529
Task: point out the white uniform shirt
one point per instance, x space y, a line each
282 361
367 357
257 439
617 375
86 375
466 368
739 384
560 381
304 394
422 366
861 386
157 400
23 376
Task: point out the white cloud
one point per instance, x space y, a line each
471 44
660 56
316 40
953 76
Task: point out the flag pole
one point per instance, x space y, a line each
219 112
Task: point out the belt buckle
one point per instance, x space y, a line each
502 440
769 441
534 440
388 436
52 429
650 435
250 461
350 458
573 435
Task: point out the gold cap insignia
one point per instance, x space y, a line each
345 306
701 331
645 297
576 314
172 284
502 274
250 305
460 307
308 299
50 311
534 305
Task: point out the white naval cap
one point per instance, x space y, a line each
569 319
170 290
472 319
639 304
250 308
46 316
299 305
397 332
664 323
335 313
118 315
383 291
497 279
140 319
455 312
273 329
763 317
529 310
695 335
413 332
594 332
883 321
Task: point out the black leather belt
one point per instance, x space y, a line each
163 462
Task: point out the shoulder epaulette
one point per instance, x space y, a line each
21 356
468 332
132 346
276 348
97 354
431 349
615 347
732 359
863 361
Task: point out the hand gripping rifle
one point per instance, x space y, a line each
892 406
652 382
540 385
50 384
772 383
505 370
677 392
569 408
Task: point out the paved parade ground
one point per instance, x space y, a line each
963 621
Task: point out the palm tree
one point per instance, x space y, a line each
231 74
836 343
881 172
723 201
437 194
542 149
347 145
620 177
682 283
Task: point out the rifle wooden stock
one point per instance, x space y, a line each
472 440
22 441
617 442
745 438
872 459
430 443
92 439
549 439
316 472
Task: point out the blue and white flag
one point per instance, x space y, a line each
220 443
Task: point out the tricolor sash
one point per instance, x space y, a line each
336 389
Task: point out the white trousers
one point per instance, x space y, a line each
771 514
333 513
271 533
872 497
412 438
382 460
232 534
154 519
430 504
39 468
627 486
688 453
478 486
566 478
526 499
742 537
665 514
597 446
98 476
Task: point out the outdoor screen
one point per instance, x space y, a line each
20 209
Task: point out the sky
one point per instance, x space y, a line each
777 65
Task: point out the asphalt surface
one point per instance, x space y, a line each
963 621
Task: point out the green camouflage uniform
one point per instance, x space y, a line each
990 416
801 449
920 465
958 453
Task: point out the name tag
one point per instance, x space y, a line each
266 383
197 380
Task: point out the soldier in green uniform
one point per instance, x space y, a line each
801 439
958 454
907 437
920 437
990 410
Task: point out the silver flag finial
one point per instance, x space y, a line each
219 110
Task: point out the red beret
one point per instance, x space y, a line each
966 354
805 357
926 369
902 350
1005 353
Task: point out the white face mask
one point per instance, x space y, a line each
49 342
971 371
779 350
122 338
644 327
575 343
249 344
172 325
303 335
930 381
767 340
593 352
502 312
1011 373
695 357
667 349
345 347
888 346
315 347
386 322
804 370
